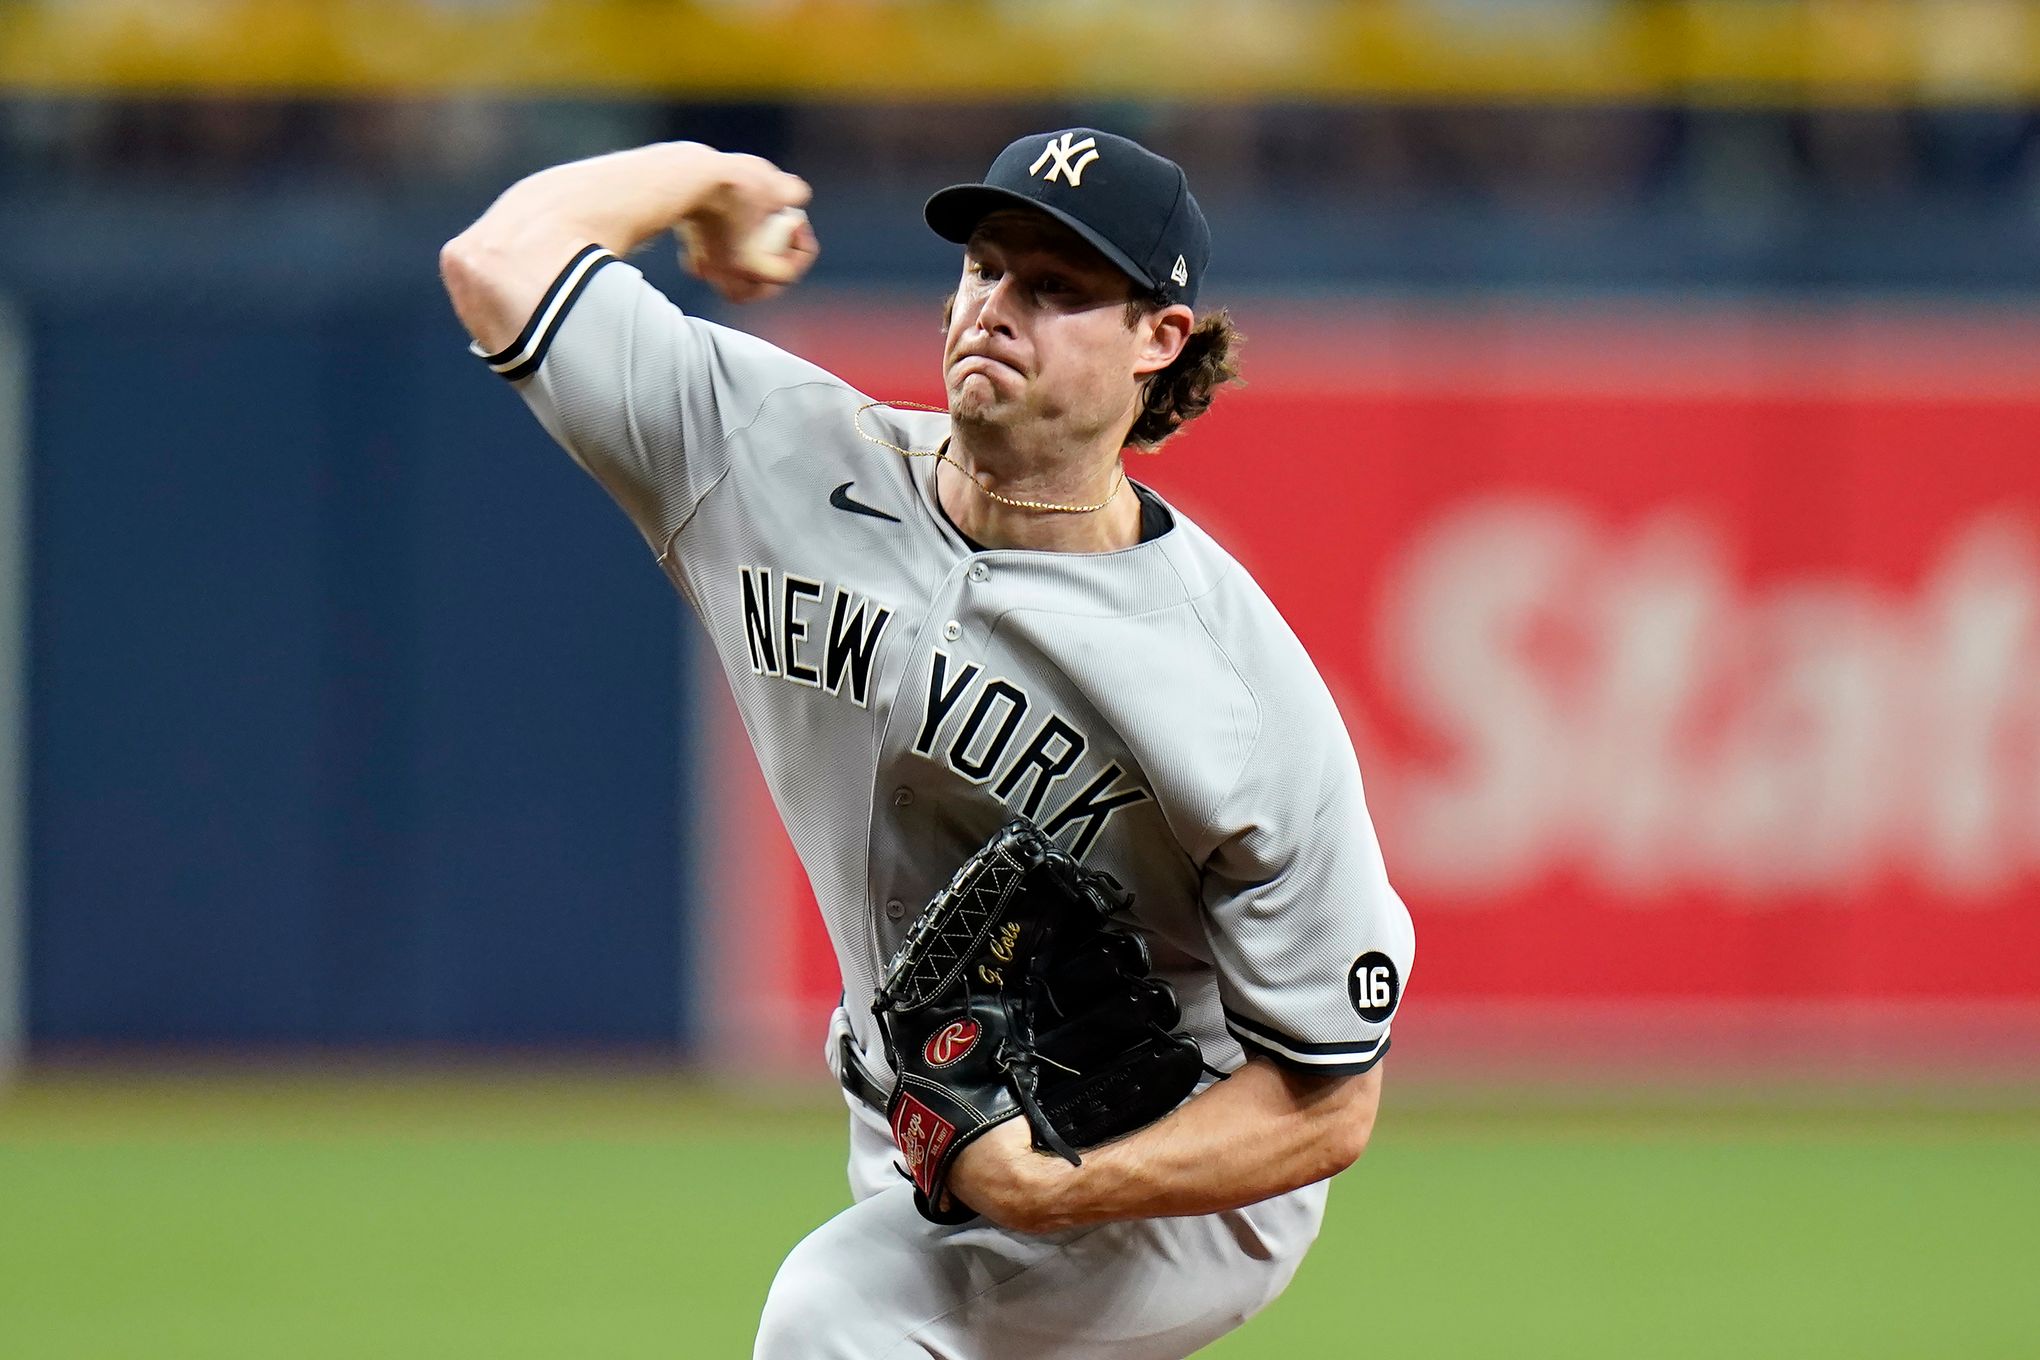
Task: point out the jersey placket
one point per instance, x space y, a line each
914 786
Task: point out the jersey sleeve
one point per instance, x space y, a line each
644 397
1312 945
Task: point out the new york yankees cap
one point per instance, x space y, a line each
1133 205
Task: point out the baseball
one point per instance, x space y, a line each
765 252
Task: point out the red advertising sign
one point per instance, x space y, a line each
1690 658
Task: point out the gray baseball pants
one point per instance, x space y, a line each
879 1282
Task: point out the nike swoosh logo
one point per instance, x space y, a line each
840 498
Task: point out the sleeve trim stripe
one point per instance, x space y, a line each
524 354
1266 1037
1322 1065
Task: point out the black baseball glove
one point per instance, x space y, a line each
1016 993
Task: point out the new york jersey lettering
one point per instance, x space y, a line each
985 748
783 630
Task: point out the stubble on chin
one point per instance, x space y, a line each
974 402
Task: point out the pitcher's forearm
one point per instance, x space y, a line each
1262 1132
497 270
620 200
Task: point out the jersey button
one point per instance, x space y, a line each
980 573
894 908
902 796
952 630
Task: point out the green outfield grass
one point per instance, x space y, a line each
570 1216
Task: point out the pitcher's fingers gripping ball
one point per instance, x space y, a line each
1017 992
769 252
754 263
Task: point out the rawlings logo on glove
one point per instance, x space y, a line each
951 1042
1017 994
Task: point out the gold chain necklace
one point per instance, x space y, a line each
942 452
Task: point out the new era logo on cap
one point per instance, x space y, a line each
1134 206
1059 152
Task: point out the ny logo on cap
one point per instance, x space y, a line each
1060 151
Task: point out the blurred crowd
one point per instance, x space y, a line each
1533 158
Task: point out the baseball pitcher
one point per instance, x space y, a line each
1119 955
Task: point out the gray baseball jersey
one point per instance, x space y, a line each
906 693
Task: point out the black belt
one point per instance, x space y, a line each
857 1078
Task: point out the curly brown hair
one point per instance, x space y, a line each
1184 390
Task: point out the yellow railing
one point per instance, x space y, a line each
1694 51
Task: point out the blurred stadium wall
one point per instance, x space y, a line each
1640 431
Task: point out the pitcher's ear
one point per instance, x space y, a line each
1164 333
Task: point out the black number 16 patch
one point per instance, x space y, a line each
1374 986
